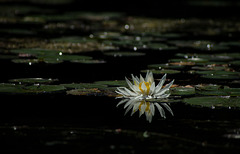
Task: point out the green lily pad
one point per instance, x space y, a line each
124 54
88 61
160 46
218 74
33 89
235 63
200 45
213 102
182 91
33 80
226 91
163 71
115 83
92 92
85 92
165 66
208 87
36 52
84 85
17 31
25 61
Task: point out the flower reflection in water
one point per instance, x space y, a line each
146 107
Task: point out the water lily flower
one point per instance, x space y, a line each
144 106
145 88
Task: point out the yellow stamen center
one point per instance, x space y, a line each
147 108
147 84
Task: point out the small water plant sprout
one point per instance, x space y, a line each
143 89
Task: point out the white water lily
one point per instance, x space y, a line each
144 106
145 88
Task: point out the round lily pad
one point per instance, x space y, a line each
83 85
115 83
163 71
124 54
182 91
213 102
226 91
165 66
160 46
33 80
33 89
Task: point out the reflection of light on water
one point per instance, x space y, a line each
144 107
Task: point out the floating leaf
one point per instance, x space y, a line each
163 71
165 66
115 83
235 63
218 74
84 85
213 102
86 92
124 54
160 46
33 80
182 91
33 89
221 92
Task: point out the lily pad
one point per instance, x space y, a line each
163 71
214 74
115 83
160 46
33 89
213 102
33 80
182 91
84 85
166 66
226 91
124 54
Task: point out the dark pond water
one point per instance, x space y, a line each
61 64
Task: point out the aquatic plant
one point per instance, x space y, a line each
142 89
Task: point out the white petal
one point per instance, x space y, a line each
128 103
135 80
135 108
147 76
129 108
152 88
121 91
152 109
168 108
141 78
160 84
166 88
131 93
160 109
122 101
129 84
